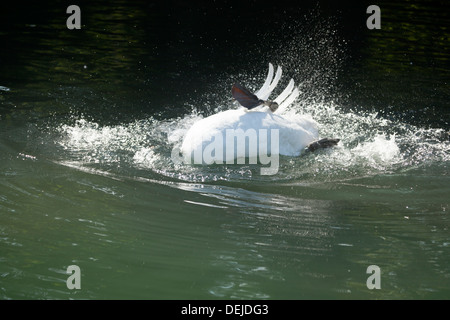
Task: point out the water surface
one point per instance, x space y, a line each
88 120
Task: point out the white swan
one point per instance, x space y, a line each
256 129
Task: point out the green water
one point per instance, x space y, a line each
88 119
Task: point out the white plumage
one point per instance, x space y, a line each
295 132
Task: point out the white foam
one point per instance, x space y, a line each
370 144
379 151
146 157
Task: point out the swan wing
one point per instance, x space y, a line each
264 95
267 83
287 91
295 93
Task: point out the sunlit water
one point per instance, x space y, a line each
108 198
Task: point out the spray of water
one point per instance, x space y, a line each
370 143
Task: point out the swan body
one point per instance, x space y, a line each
294 134
244 133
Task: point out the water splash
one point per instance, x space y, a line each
370 145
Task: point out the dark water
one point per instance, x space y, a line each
88 119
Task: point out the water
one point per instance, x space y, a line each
88 120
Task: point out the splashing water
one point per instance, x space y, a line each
370 145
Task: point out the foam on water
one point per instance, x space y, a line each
370 145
